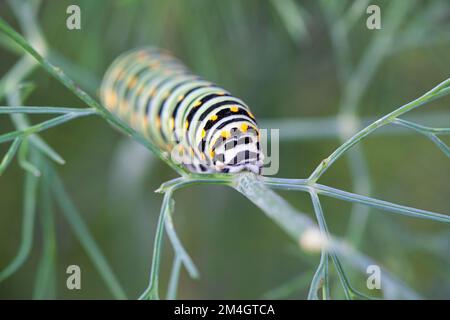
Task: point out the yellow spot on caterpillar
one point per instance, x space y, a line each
141 54
203 133
154 64
120 74
225 134
186 125
133 120
172 123
202 156
115 73
124 106
180 98
213 117
197 104
251 114
191 151
244 127
111 99
166 94
132 82
212 154
234 109
145 123
158 122
221 93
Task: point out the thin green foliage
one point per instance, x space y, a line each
45 283
174 278
24 163
29 213
15 76
151 293
180 252
10 154
255 189
42 126
71 85
290 287
82 233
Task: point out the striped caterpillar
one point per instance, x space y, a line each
201 125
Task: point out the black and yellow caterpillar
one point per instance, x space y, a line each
200 124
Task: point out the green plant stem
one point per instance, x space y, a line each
298 224
46 110
321 128
45 283
320 279
9 85
322 270
102 111
348 290
290 286
10 154
87 241
24 163
174 279
430 133
29 213
151 293
306 185
42 126
293 222
178 247
420 128
439 91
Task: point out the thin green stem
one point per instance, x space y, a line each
178 247
320 279
420 128
24 163
430 133
151 293
10 154
439 91
42 126
350 292
324 250
83 235
174 279
306 185
45 281
321 128
29 213
72 86
287 289
299 226
45 110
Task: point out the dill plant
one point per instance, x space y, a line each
36 157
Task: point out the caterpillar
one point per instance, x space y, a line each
201 125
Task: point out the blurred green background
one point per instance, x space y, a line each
282 58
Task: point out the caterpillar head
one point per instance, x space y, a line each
239 151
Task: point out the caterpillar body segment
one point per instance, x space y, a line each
200 124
